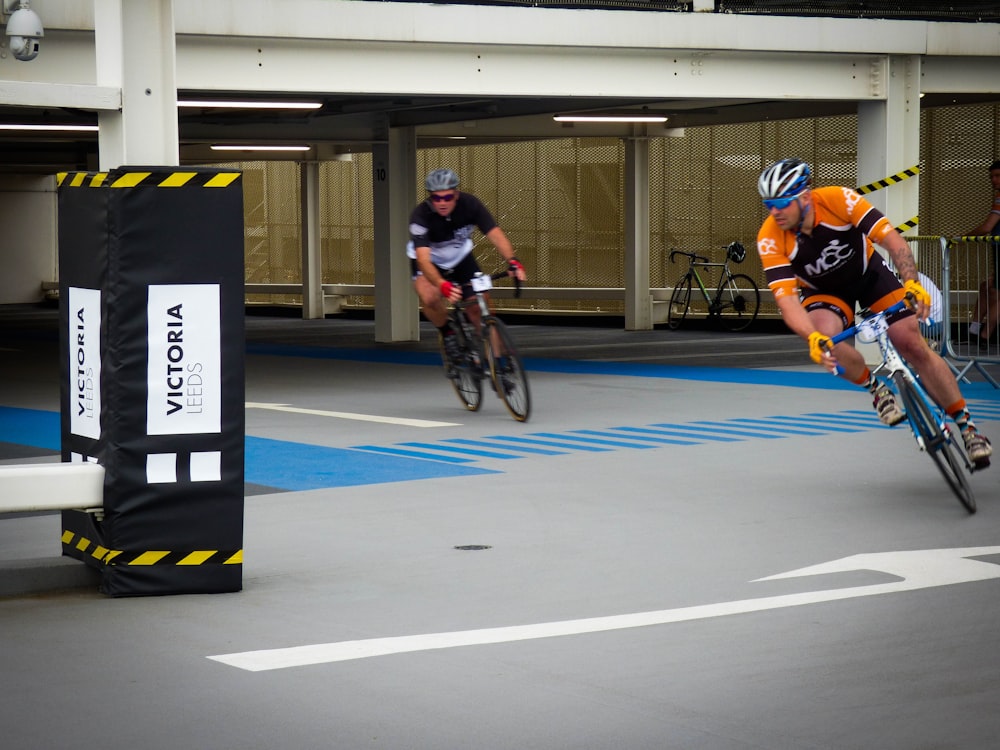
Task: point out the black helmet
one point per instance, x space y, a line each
441 179
736 252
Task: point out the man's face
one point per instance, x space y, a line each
443 201
787 216
995 179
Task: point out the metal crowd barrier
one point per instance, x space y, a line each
967 273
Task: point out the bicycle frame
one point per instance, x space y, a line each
926 419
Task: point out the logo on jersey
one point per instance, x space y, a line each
834 255
767 246
851 199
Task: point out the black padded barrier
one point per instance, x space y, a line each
152 361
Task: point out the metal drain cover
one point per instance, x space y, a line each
473 546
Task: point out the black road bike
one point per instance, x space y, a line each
486 351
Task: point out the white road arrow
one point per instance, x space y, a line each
348 415
917 570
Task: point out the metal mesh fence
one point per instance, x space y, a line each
562 201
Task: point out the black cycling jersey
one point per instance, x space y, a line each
448 237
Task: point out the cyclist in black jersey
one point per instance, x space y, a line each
440 247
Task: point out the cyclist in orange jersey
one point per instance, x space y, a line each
820 262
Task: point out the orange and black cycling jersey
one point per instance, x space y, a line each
837 253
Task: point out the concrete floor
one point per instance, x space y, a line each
624 594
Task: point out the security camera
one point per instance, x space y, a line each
24 29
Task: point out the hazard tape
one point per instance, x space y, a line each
908 225
871 187
154 179
107 556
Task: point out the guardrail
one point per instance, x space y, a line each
968 272
334 294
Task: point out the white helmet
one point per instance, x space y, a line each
784 179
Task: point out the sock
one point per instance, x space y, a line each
974 328
867 380
960 413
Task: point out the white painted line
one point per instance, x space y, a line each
918 569
348 415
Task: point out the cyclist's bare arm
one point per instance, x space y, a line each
430 272
503 245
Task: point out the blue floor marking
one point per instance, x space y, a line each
590 441
461 451
298 466
695 433
646 438
550 443
33 427
721 427
411 454
518 449
820 429
685 439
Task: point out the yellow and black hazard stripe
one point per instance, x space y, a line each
908 225
892 179
147 179
105 556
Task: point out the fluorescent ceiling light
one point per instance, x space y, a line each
610 118
260 147
248 105
51 128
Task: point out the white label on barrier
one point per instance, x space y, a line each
184 371
84 337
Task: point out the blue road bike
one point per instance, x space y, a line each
926 418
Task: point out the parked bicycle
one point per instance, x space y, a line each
736 300
486 350
927 419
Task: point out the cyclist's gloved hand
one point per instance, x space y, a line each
446 289
919 293
819 347
515 267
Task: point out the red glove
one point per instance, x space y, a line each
446 287
514 265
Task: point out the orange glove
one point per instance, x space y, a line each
918 292
819 346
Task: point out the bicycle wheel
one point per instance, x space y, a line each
737 301
937 441
509 379
465 375
680 302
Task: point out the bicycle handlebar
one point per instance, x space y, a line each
504 274
907 302
692 256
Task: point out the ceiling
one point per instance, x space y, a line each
348 123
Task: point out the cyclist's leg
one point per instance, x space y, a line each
431 302
831 315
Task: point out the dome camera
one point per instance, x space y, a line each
24 29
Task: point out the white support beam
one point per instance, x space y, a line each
307 65
78 96
135 50
29 488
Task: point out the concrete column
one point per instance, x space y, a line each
889 139
135 51
394 165
312 255
638 302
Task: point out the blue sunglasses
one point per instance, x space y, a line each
779 203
